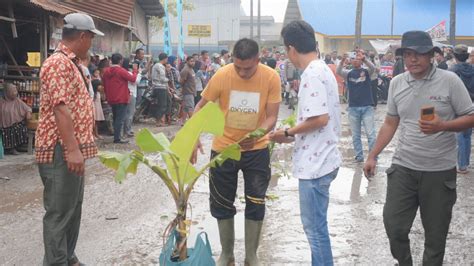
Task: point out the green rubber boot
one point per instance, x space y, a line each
227 237
252 239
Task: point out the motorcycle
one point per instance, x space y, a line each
149 99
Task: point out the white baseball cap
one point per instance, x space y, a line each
80 21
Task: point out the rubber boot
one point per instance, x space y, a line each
227 237
252 239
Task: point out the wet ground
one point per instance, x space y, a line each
124 223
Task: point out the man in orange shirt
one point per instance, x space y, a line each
249 94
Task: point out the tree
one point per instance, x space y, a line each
452 23
156 23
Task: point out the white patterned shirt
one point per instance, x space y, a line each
316 153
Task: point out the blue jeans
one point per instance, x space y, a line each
359 116
127 128
314 201
464 148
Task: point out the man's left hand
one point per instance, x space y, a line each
279 137
431 126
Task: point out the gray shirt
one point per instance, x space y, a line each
446 93
158 77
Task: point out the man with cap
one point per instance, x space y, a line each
429 105
216 64
64 138
466 72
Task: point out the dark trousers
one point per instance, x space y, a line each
198 97
374 86
119 112
161 107
435 194
255 166
62 197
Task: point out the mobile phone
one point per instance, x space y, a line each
427 113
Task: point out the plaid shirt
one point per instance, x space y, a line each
62 83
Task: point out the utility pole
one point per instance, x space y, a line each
452 23
259 23
251 19
393 15
358 24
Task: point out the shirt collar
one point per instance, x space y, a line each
66 50
428 76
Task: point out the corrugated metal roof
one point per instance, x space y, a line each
62 9
115 11
52 6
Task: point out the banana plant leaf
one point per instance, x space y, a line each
210 119
123 164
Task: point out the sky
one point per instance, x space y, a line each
275 8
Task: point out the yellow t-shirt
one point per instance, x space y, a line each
243 102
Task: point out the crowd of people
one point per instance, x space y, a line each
426 103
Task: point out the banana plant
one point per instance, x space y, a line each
177 173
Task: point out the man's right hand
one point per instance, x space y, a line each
194 155
344 59
369 167
76 163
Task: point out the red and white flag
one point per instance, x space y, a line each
438 32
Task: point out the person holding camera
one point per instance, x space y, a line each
361 103
116 80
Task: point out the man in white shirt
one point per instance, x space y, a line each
316 159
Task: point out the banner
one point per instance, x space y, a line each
179 7
166 32
438 32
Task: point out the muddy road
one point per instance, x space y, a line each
123 223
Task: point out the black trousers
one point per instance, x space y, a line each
255 166
160 107
435 194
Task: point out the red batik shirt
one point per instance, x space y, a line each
61 82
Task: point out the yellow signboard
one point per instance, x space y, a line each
199 31
34 59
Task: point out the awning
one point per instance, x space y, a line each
117 12
52 6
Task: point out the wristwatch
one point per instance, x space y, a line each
288 134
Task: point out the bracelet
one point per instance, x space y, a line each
288 134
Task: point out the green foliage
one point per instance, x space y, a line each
231 152
123 164
150 143
156 23
209 119
258 133
175 154
290 120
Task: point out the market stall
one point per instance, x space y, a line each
23 46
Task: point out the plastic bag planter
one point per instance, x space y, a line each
200 255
